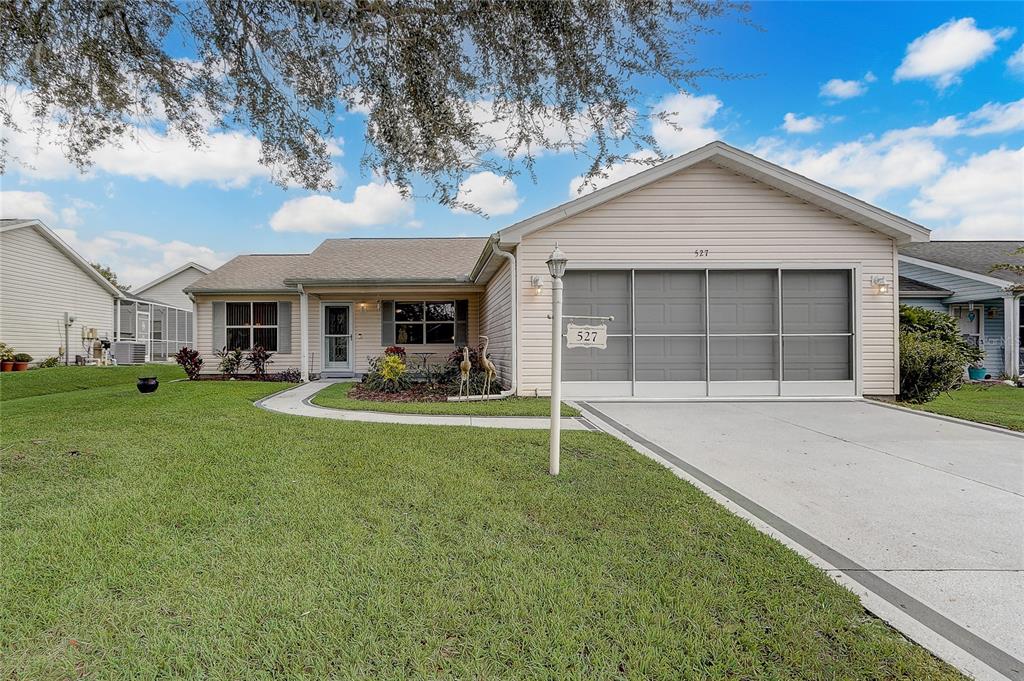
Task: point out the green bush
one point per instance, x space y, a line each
388 373
933 354
49 363
23 357
6 352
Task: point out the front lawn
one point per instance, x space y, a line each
189 534
337 397
18 384
998 405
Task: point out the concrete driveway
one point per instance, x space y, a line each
923 517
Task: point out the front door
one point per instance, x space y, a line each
142 333
337 337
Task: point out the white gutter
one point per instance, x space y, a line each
515 310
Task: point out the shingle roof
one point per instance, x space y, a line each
972 256
911 286
349 261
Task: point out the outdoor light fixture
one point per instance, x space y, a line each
881 284
537 282
556 263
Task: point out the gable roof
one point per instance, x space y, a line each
720 153
349 262
189 265
971 259
912 288
9 225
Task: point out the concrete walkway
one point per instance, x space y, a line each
297 402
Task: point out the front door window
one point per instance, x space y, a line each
337 337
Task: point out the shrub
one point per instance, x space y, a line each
190 361
23 357
933 354
6 353
257 360
290 375
388 373
230 362
49 363
455 357
396 350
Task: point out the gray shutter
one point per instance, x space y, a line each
387 322
284 327
461 322
219 325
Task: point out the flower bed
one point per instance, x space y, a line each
418 392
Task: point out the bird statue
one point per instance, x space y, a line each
464 366
487 366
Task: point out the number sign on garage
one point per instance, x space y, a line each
714 332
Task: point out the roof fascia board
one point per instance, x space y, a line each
904 231
925 294
378 282
172 273
69 252
242 291
966 274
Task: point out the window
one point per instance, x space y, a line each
251 324
417 323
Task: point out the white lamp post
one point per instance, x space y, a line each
556 267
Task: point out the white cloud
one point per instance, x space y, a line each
27 206
373 204
991 118
618 171
980 199
1016 61
837 88
942 54
690 116
792 123
491 193
137 258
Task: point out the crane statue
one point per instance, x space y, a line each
487 366
464 366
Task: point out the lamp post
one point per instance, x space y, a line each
556 267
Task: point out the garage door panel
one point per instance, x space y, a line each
670 302
816 301
589 364
743 301
599 294
816 358
670 359
744 358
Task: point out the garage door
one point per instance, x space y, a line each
714 333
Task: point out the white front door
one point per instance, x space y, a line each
337 327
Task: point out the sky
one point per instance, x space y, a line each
917 108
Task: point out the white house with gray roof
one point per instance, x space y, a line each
961 278
726 275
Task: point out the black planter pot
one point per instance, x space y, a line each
147 384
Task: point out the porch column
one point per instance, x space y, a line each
303 334
1011 329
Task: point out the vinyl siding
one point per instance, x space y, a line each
366 318
170 290
994 338
740 221
934 304
496 320
38 284
963 288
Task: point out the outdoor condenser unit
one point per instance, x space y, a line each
126 352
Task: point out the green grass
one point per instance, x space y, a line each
336 396
17 384
189 534
998 405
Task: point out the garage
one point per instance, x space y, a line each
715 332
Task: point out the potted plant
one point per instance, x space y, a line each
21 361
6 357
976 371
147 384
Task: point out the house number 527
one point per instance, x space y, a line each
701 253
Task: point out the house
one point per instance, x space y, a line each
726 275
45 283
958 277
170 288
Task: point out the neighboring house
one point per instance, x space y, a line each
42 278
958 277
170 288
727 276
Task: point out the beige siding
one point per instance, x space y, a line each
38 284
738 220
366 317
496 320
170 290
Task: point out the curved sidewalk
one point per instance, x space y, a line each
296 401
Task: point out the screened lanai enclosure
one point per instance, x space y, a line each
149 331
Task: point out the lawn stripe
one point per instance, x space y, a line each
998 659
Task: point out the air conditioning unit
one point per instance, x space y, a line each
126 352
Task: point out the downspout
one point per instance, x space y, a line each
303 334
515 312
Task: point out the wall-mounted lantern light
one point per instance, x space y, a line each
537 283
881 284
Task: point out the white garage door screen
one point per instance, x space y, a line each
715 333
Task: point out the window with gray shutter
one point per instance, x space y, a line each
387 322
461 322
284 327
219 324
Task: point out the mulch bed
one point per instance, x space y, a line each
420 392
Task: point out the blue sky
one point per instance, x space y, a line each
918 108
